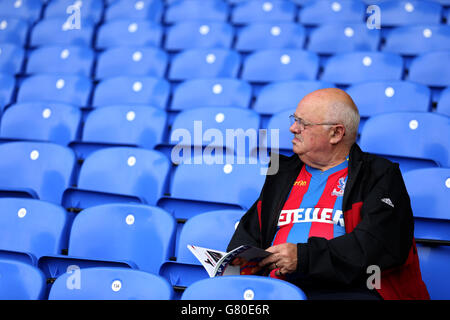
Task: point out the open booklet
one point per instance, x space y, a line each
218 263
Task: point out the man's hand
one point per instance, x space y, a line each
283 258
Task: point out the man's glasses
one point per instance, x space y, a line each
302 124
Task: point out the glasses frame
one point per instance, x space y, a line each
303 125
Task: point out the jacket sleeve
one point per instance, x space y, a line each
248 229
383 237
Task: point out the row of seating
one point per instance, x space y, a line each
325 39
371 97
416 134
25 282
241 12
260 67
91 237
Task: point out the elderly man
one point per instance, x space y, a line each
333 215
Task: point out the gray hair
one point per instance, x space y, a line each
348 115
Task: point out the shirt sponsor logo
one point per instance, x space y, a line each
300 183
324 215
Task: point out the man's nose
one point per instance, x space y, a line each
294 128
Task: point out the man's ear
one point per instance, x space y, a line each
337 133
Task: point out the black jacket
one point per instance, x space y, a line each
377 214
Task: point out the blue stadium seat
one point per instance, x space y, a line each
149 10
353 67
330 11
141 235
429 190
433 266
33 227
243 288
215 121
89 9
64 88
413 40
280 121
443 105
431 69
235 184
267 11
205 63
132 90
61 59
202 230
270 35
199 34
56 123
13 30
7 84
389 96
218 92
338 38
278 96
11 58
211 10
409 12
21 281
103 283
56 31
127 32
280 64
142 126
410 135
119 172
29 10
133 61
43 170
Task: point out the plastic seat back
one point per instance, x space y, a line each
203 229
214 10
431 69
205 63
268 11
56 31
280 64
420 135
140 234
133 61
270 35
33 226
63 88
413 40
340 37
150 10
61 59
409 12
242 288
132 90
353 67
199 34
21 281
45 168
129 32
128 171
329 11
140 125
56 123
283 95
11 58
102 283
218 92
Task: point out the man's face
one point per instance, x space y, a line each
312 138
